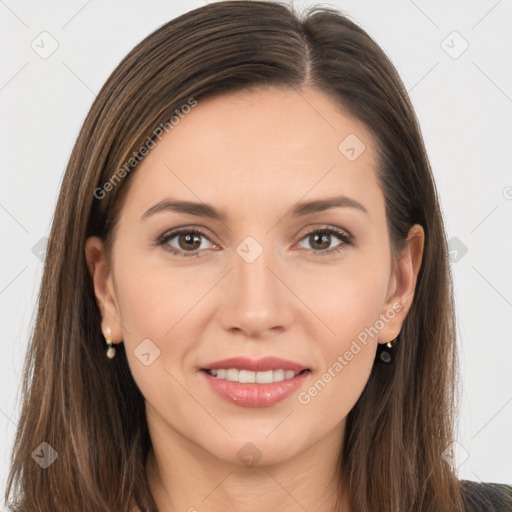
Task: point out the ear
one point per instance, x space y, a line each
402 284
103 287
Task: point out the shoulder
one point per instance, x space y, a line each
488 497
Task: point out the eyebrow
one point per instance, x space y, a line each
207 210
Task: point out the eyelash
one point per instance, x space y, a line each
346 238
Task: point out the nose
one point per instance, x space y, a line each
257 303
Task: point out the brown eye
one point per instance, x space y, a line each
320 240
189 241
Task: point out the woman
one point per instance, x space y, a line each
303 356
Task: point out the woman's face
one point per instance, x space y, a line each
261 280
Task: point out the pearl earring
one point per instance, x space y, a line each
111 350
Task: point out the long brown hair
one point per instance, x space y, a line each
89 409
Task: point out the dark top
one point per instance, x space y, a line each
477 497
486 497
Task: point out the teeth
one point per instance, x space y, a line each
246 377
278 375
250 377
232 374
264 377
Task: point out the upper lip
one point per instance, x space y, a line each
257 365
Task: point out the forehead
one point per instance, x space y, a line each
247 150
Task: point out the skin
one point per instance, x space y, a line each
252 155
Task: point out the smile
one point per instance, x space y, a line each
254 383
251 377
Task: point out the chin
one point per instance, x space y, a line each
256 450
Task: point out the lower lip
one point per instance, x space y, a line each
255 395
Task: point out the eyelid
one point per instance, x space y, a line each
347 239
328 227
342 234
174 232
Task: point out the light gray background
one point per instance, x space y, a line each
464 105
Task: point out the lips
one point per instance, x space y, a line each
263 382
258 365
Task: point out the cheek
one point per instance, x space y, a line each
347 298
161 313
349 303
149 307
332 393
347 357
154 300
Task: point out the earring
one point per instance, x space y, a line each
384 353
111 350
